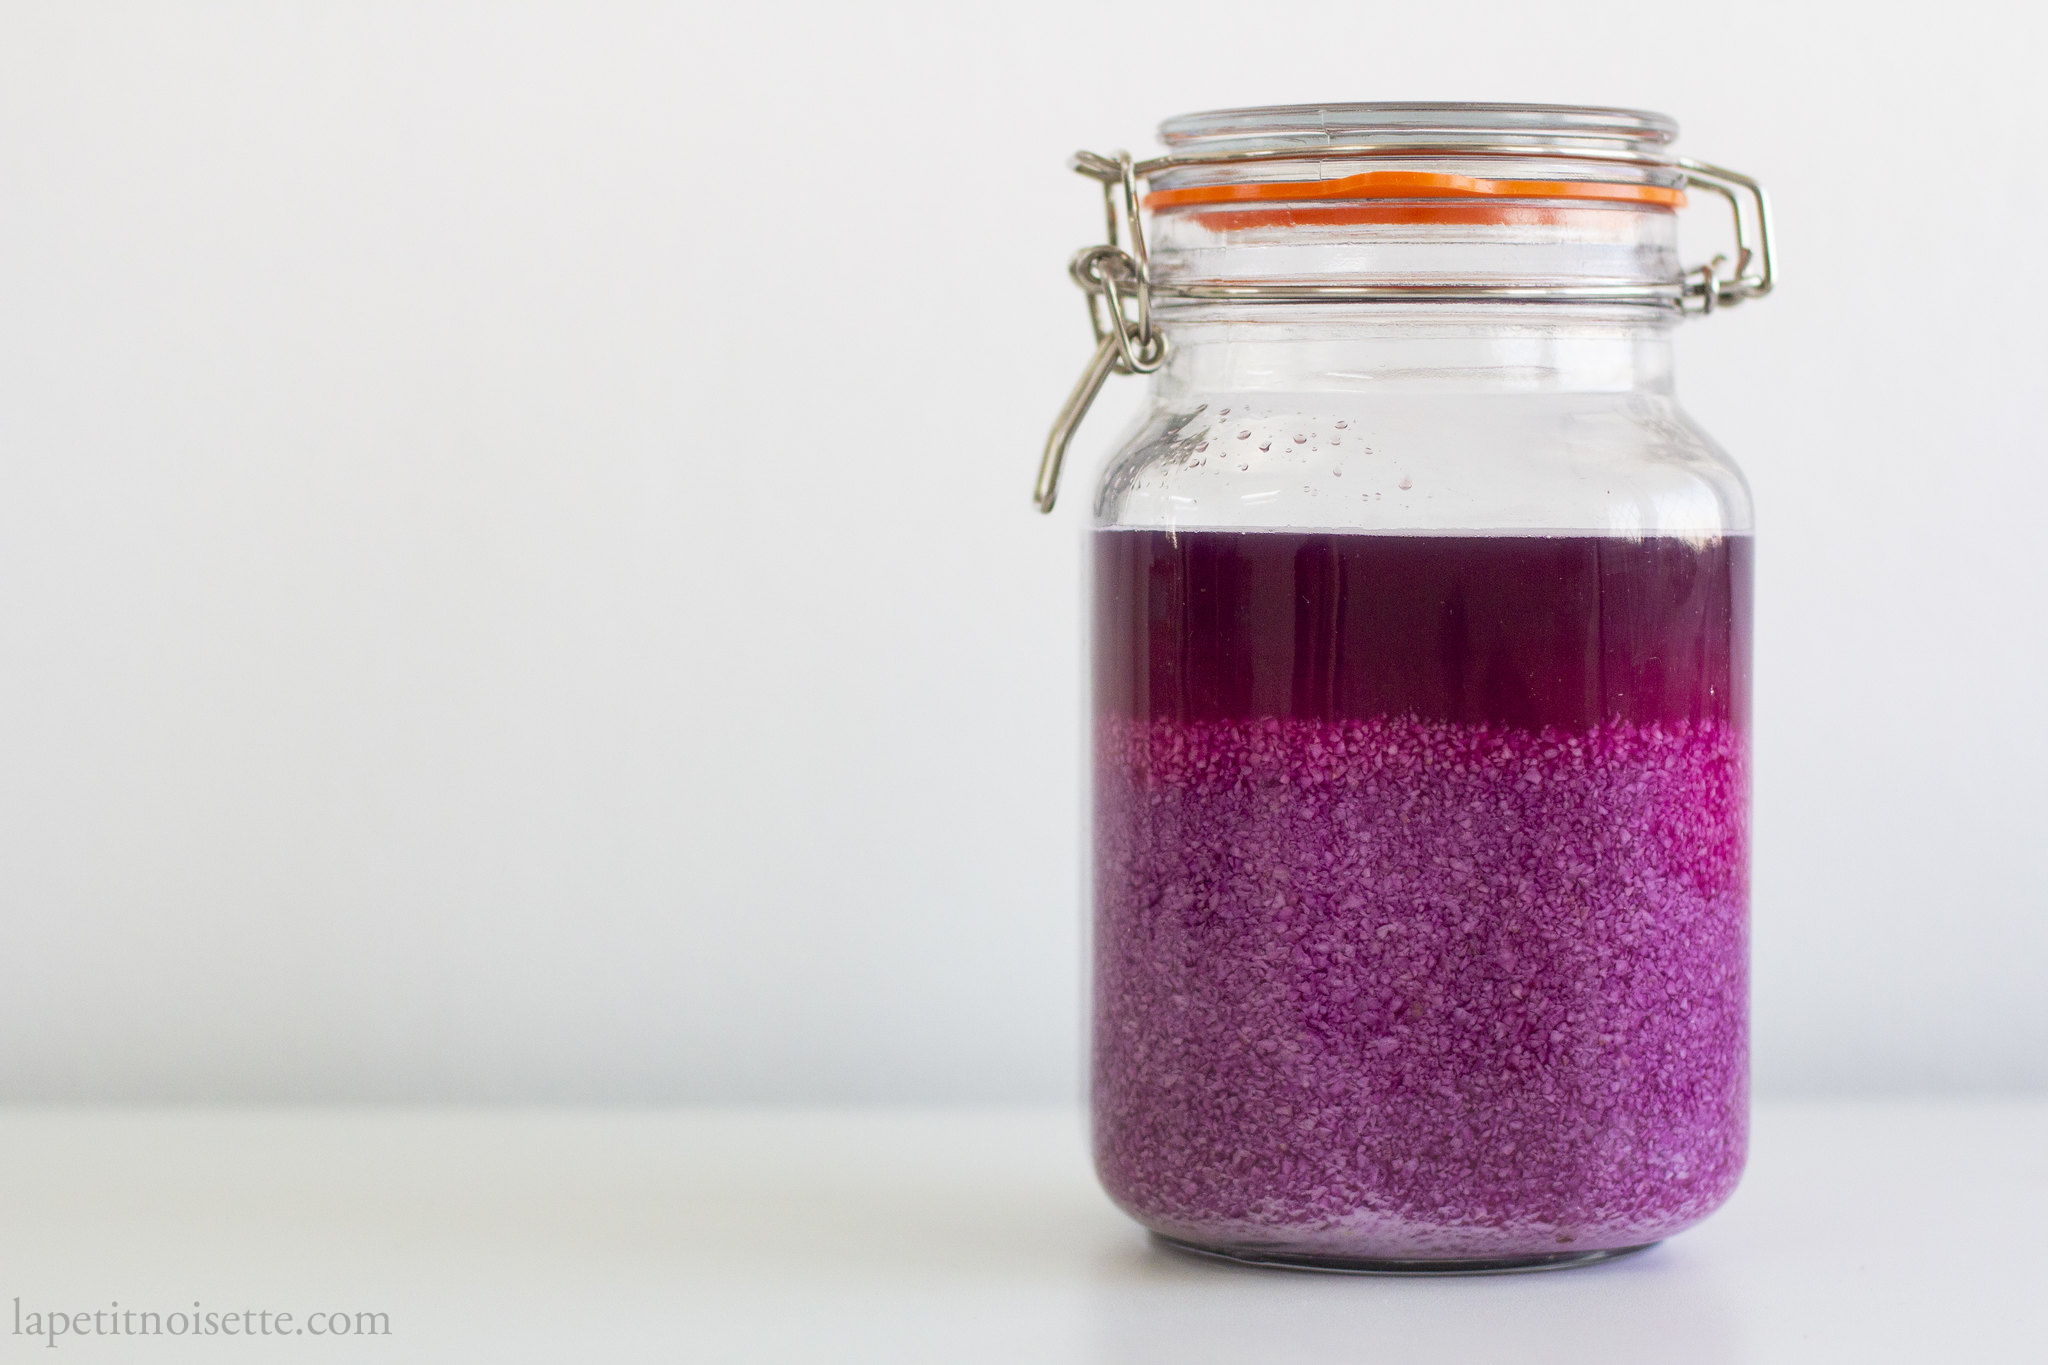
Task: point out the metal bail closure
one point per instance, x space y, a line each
1116 276
1755 273
1118 285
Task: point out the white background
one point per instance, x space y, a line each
516 578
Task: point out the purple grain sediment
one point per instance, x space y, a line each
1392 987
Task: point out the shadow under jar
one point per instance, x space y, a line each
1421 675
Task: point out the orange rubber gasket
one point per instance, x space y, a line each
1394 212
1419 185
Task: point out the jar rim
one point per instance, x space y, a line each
1307 126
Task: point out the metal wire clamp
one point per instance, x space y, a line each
1116 275
1118 284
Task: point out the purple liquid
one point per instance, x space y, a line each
1421 889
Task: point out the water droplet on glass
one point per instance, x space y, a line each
1336 473
1242 435
1342 425
1300 439
1406 482
1244 466
1267 446
1201 446
1199 408
1223 412
1336 440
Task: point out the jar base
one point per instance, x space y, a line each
1359 1265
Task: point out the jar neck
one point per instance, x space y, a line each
1380 348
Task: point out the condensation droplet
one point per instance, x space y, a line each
1245 434
1267 446
1336 440
1223 412
1342 425
1244 466
1201 446
1336 473
1406 482
1300 439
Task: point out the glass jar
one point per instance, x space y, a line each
1421 675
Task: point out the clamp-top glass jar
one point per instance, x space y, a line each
1421 641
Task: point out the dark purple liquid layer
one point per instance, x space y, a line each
1421 888
1525 631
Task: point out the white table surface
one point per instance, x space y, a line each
1863 1232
